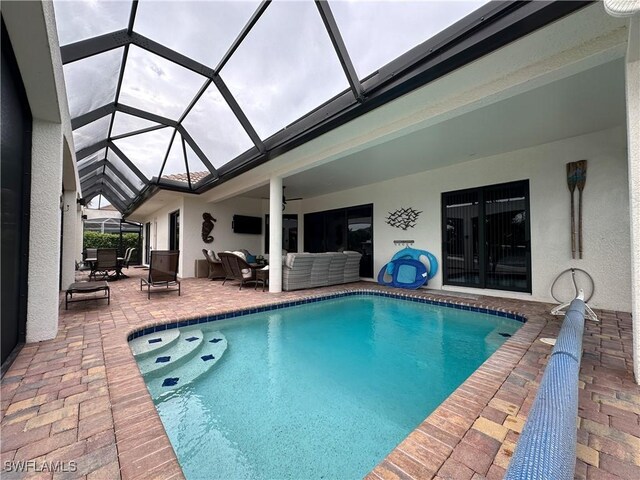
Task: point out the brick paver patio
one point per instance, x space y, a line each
81 398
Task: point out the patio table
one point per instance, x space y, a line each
120 260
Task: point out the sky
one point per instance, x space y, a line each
283 69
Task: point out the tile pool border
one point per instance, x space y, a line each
199 320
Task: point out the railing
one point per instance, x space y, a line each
547 447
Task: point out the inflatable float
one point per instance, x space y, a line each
408 269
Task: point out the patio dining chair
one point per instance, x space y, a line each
106 264
236 268
163 271
127 256
216 270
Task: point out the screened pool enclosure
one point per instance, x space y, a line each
185 95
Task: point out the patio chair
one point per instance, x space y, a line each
127 257
163 271
106 262
216 270
236 268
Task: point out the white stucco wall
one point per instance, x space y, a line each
191 243
224 238
633 140
605 211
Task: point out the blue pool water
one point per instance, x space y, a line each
323 390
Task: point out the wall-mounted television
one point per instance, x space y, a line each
244 224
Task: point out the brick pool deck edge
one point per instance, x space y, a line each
80 397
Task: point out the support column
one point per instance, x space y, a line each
69 236
275 235
632 75
44 234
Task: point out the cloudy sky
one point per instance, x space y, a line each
284 68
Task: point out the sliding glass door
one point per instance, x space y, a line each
342 229
486 237
289 233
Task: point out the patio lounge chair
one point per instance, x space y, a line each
163 270
216 270
236 268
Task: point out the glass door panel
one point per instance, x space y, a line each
461 238
507 236
314 232
360 236
147 242
174 231
289 233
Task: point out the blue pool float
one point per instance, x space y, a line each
405 273
414 254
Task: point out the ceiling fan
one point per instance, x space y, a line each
284 198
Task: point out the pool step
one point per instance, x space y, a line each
212 348
153 343
184 348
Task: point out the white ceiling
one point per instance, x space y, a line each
589 101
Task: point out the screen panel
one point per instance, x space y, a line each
212 26
91 133
216 129
156 85
81 19
92 82
376 32
146 150
125 123
285 67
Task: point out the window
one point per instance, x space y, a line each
174 230
486 237
342 229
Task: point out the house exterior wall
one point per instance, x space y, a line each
633 140
160 227
31 27
224 238
191 243
605 212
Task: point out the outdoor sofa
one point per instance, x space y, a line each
307 270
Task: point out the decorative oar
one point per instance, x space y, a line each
571 182
581 179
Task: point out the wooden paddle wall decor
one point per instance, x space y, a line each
576 178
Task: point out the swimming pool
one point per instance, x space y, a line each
323 390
